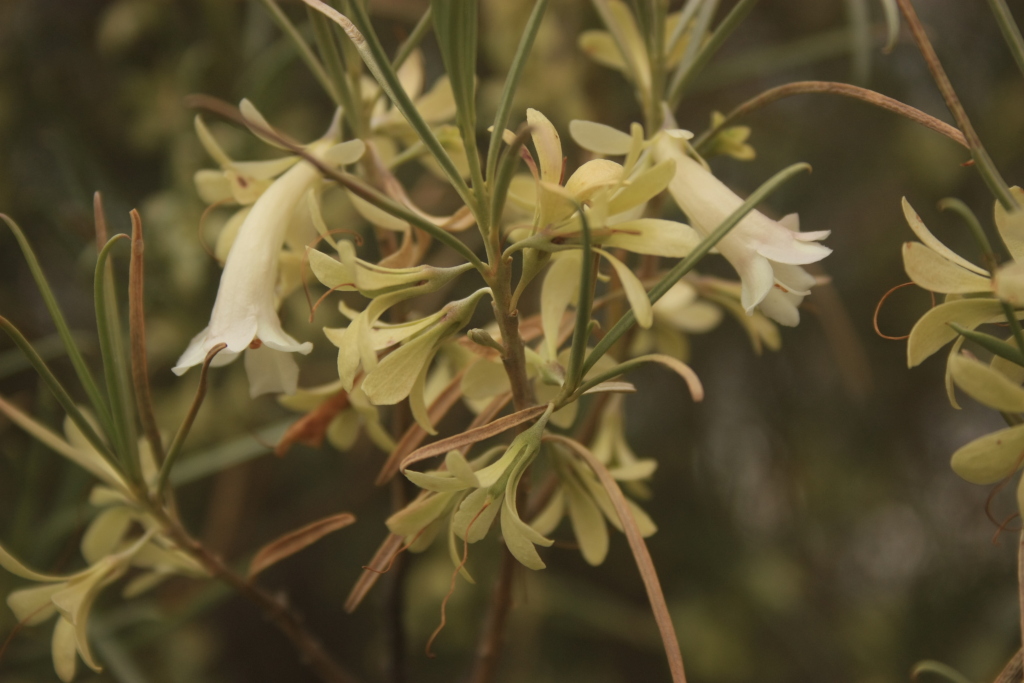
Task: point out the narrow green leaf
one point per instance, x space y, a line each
990 343
305 52
361 33
455 25
1011 33
682 78
60 393
515 72
581 330
96 398
115 361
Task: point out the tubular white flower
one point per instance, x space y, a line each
766 253
245 312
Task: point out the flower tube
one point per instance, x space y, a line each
245 313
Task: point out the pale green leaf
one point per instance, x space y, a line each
648 184
106 532
33 605
992 457
560 288
475 515
516 540
932 331
986 385
635 292
587 524
925 235
415 516
599 138
654 236
1011 225
932 271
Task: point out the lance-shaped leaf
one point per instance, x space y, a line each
929 269
635 292
588 523
394 377
925 235
932 331
654 236
599 138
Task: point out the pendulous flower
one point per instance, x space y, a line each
767 254
245 313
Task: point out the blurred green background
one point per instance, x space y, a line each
810 527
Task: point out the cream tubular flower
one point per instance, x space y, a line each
766 253
245 313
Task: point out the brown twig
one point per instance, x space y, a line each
275 608
832 88
982 160
492 637
137 339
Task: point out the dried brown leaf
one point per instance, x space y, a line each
472 436
640 553
294 541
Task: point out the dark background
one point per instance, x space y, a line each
810 527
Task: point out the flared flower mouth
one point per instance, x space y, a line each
767 254
245 315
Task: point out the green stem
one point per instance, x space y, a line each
584 310
186 425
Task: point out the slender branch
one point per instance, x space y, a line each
831 88
983 161
275 608
488 651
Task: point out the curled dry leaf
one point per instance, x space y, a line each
473 435
294 541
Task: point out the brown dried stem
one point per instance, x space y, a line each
832 88
137 339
